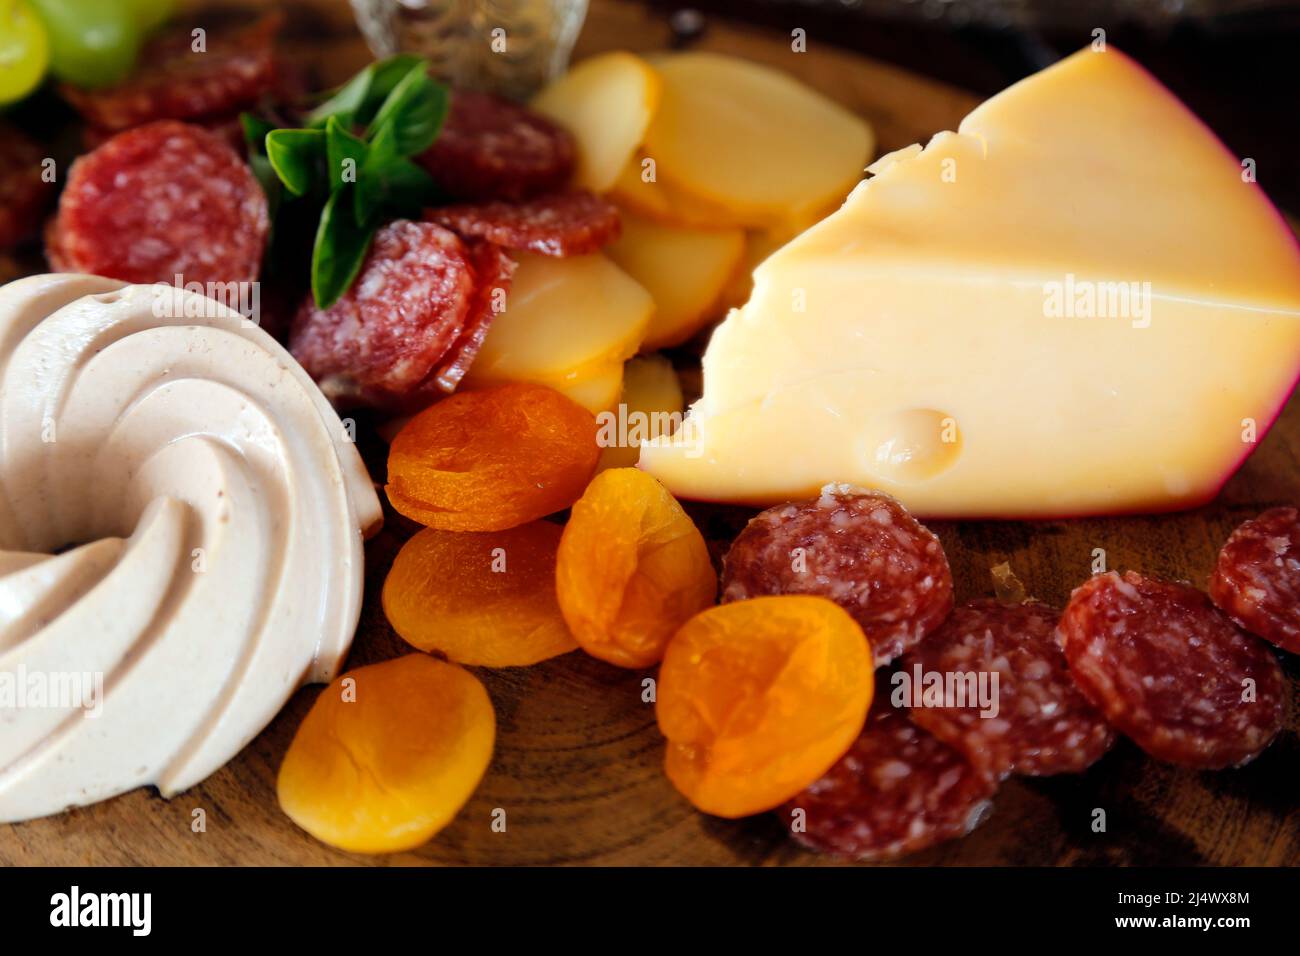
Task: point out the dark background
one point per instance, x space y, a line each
1236 63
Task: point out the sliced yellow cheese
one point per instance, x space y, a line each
684 270
597 391
639 189
606 102
651 407
752 139
564 320
1075 304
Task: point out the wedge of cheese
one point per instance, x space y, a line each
1078 303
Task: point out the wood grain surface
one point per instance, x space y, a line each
577 765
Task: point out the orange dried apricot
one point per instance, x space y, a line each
485 598
492 459
631 568
759 698
383 763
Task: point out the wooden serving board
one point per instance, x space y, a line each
577 763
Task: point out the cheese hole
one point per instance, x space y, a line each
910 444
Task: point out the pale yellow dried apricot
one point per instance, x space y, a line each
485 598
759 698
388 754
492 459
631 568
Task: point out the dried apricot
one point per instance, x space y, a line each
758 699
485 598
631 568
492 459
383 763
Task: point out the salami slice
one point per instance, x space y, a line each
159 201
1033 720
24 192
1170 671
561 224
227 127
177 81
898 790
1257 577
490 148
861 549
383 338
493 270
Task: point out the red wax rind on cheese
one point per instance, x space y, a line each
380 342
1256 579
561 224
23 191
158 201
860 549
1170 671
494 271
1043 723
899 789
175 81
490 148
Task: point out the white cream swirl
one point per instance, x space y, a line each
213 506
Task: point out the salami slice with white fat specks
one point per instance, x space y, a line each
1256 580
860 549
1033 720
159 201
899 789
562 224
178 80
380 343
494 270
1170 671
490 148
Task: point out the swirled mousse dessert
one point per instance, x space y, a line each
181 525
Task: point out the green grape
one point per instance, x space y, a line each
149 14
24 50
92 42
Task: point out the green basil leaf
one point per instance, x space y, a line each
368 198
296 156
382 140
408 189
270 183
388 74
415 111
355 102
255 129
371 182
255 132
340 248
392 183
342 149
345 101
